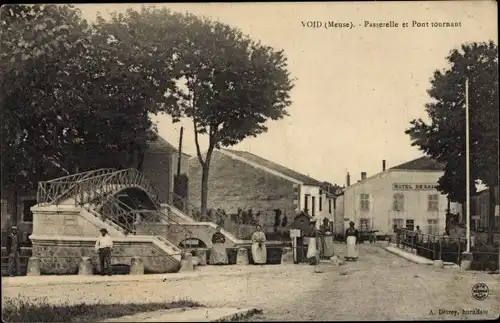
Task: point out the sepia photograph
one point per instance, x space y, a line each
250 161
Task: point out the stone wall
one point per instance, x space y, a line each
234 184
62 257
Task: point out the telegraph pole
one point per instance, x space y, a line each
467 164
179 159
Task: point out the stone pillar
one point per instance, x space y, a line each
187 262
86 267
438 264
33 266
466 261
136 266
202 255
287 256
242 256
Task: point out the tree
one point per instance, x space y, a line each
232 86
227 84
331 188
88 102
37 42
443 138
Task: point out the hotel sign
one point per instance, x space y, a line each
413 187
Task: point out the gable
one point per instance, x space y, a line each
306 180
423 163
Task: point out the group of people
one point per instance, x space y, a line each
320 244
218 253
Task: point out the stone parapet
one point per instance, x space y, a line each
242 256
62 255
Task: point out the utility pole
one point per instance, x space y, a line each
179 159
467 164
467 255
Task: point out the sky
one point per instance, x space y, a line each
356 90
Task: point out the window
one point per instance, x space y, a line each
364 202
433 202
313 205
397 223
320 203
306 203
398 202
432 226
27 214
410 224
330 206
364 224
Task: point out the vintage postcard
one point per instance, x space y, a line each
291 161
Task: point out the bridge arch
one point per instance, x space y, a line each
192 243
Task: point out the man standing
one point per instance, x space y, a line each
418 239
103 246
13 247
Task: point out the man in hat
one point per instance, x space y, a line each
103 246
13 246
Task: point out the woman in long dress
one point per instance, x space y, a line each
312 246
218 255
352 237
259 251
327 239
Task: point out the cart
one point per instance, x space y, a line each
368 235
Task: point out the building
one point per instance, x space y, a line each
242 180
480 210
159 164
404 196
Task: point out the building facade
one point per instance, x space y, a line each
404 196
241 180
480 210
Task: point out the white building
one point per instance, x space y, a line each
403 196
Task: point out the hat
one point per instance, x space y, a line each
104 230
13 228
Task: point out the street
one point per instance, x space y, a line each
380 286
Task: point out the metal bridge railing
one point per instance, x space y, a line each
93 185
55 190
445 248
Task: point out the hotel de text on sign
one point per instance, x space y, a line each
413 187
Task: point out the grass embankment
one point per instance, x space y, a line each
39 310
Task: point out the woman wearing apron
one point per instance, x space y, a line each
312 247
352 236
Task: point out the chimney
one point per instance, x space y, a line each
348 180
363 176
383 165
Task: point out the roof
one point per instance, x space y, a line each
160 145
423 163
276 167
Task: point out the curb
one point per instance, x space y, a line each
413 258
94 279
238 315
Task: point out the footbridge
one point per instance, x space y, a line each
72 209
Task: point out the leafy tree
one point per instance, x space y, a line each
443 138
331 188
232 86
88 99
37 44
226 83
